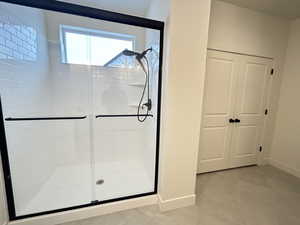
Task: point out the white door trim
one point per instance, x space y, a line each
262 156
240 53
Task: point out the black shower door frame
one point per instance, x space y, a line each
95 14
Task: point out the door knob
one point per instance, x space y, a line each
231 120
237 121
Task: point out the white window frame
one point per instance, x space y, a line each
92 32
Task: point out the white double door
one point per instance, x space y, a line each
235 101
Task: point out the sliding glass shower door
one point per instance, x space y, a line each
123 147
79 108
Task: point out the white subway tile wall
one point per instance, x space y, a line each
17 41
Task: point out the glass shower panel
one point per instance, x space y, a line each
46 158
124 148
124 159
45 105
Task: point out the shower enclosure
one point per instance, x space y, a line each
69 133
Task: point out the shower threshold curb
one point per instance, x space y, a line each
88 212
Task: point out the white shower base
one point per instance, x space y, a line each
73 185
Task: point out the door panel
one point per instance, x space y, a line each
215 144
214 147
218 85
218 108
252 83
246 139
250 105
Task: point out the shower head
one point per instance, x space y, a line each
127 52
138 55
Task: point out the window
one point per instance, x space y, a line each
93 47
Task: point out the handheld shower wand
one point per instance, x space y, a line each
139 57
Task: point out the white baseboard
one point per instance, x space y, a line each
284 167
175 203
88 212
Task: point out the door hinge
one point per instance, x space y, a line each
260 148
266 112
272 71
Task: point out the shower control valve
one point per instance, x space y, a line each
148 104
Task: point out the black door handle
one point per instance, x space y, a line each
234 120
237 121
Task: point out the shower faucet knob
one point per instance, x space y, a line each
148 104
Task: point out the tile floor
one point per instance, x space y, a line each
245 196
